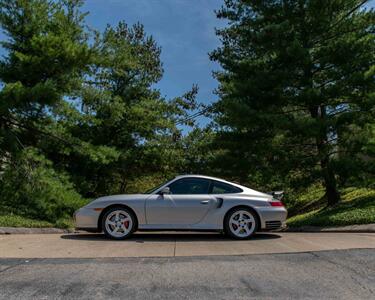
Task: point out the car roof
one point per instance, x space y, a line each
245 189
207 177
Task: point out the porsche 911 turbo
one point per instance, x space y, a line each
187 202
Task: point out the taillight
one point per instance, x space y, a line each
276 203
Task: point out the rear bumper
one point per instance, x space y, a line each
274 225
272 218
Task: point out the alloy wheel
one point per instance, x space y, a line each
242 224
118 223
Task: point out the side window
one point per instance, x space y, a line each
224 188
187 186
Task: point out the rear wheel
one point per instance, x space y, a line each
241 223
118 223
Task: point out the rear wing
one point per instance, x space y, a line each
277 195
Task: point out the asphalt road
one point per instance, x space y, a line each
336 274
188 266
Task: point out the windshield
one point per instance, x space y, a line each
150 191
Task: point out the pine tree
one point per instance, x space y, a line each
297 89
81 108
46 52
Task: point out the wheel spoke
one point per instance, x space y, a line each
111 223
234 222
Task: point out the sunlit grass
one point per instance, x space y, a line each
12 220
357 207
18 221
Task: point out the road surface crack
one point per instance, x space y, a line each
336 264
26 261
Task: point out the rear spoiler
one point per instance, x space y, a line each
277 195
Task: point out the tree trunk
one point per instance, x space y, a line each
123 185
322 144
332 194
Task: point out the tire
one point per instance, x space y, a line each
119 223
241 223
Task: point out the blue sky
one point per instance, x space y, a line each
185 29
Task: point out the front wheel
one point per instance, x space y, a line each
241 223
118 223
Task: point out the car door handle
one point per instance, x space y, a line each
205 201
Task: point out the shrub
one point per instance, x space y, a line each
29 186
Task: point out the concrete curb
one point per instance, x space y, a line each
24 230
350 228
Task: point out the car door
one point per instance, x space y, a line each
188 203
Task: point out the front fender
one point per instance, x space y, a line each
137 206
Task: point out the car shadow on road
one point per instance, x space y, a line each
142 237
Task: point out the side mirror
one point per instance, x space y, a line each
165 190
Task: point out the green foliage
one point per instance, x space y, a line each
123 111
305 200
81 119
46 51
31 187
357 207
64 223
296 92
10 220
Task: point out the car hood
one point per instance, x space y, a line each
119 197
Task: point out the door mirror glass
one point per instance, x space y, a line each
165 190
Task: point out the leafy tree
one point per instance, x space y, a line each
297 89
32 188
46 50
46 53
125 112
89 109
197 151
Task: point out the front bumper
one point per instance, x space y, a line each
86 218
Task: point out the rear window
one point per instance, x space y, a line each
224 188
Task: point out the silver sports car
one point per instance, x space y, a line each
188 202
